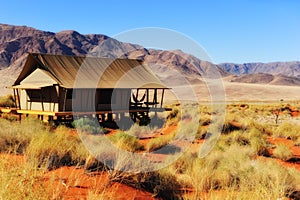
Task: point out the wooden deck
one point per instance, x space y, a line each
8 110
68 113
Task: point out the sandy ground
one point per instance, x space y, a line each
230 91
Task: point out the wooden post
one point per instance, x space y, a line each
102 117
162 97
155 96
18 96
147 96
122 115
27 100
15 98
109 117
137 94
58 99
65 99
50 102
41 99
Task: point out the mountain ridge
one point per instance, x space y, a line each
290 68
16 41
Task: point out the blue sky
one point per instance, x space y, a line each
230 31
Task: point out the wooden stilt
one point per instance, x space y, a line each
41 99
162 97
65 99
18 97
109 117
102 117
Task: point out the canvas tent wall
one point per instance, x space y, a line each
56 82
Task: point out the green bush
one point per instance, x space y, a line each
88 126
7 101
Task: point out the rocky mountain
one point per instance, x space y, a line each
16 41
169 65
291 69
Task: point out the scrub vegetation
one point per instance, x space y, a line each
245 163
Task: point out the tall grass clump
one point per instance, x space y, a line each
237 172
16 136
162 184
174 116
52 150
282 152
142 131
288 130
20 181
126 141
258 142
159 142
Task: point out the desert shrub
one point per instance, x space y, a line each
250 123
205 119
9 117
174 116
20 181
126 141
92 164
161 183
237 170
201 132
219 169
7 101
269 180
159 142
258 142
283 152
140 131
52 150
88 126
288 130
15 136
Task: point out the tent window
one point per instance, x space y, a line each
35 95
106 96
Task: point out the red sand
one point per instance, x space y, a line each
73 183
290 144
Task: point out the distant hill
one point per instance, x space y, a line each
262 78
16 41
291 69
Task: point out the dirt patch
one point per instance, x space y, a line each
72 183
287 142
295 161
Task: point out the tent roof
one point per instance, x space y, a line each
90 72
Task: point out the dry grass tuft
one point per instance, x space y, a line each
282 152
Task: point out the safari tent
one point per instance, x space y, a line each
60 86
